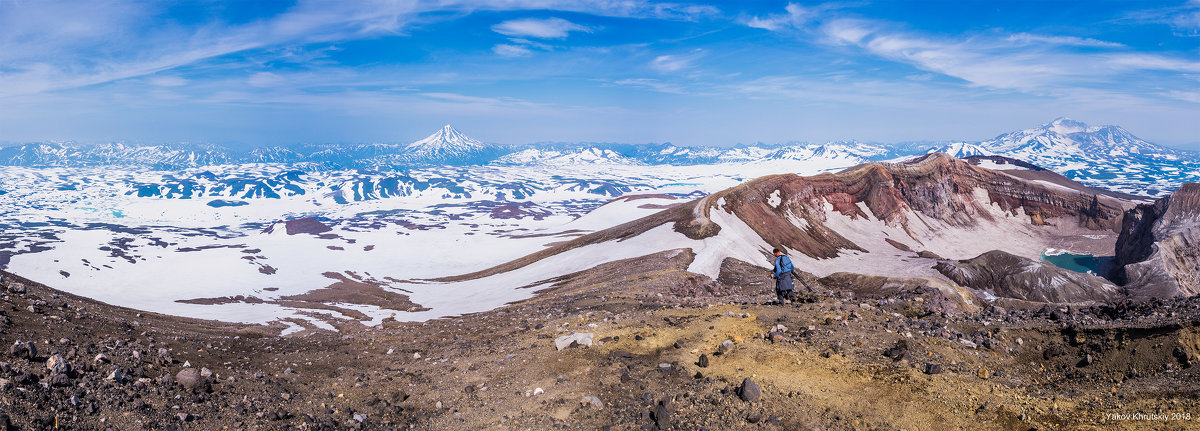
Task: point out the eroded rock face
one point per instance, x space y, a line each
1158 249
905 194
1005 275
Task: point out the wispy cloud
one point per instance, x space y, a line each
1184 19
794 17
675 62
103 41
1027 38
651 84
1022 62
510 50
549 28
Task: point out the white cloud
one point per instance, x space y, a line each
615 8
549 28
508 50
650 84
1026 38
795 17
675 62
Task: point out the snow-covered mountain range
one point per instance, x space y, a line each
1100 156
96 220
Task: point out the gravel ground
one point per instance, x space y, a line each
668 350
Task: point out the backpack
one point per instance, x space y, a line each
785 264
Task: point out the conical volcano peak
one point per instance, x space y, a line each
447 138
447 145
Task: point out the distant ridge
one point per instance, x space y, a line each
1099 156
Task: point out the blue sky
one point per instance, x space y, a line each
520 71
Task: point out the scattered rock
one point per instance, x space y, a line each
116 376
662 417
932 368
57 365
16 288
1053 351
591 401
23 350
703 362
725 346
898 351
575 339
749 391
191 379
59 379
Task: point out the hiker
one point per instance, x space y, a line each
783 276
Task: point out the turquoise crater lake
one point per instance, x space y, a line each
1084 263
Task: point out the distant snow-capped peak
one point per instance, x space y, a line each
962 149
1067 136
446 140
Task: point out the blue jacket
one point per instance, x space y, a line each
783 265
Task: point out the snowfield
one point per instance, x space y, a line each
146 239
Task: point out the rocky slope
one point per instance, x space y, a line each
668 350
1158 250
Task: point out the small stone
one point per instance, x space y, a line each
205 372
622 354
932 368
417 355
101 359
574 339
749 391
703 362
185 417
57 365
591 401
191 379
359 417
116 376
23 350
17 288
983 373
538 391
725 346
753 418
662 417
59 379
